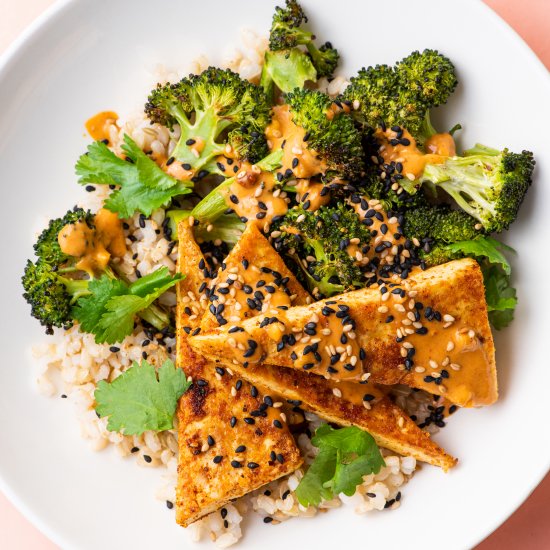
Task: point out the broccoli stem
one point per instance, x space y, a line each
209 126
75 287
464 179
227 228
155 316
267 84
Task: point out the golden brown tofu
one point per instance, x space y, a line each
345 403
254 250
230 442
430 331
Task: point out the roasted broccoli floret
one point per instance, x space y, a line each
285 63
50 295
331 134
439 223
212 109
373 187
404 94
436 226
47 247
54 282
488 184
324 244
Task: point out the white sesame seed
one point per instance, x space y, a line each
450 345
419 369
448 318
399 307
383 309
337 392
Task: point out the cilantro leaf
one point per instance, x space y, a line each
110 310
484 247
139 400
90 308
345 456
312 490
499 294
143 185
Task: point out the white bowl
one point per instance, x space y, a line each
84 56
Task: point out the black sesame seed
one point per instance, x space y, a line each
217 459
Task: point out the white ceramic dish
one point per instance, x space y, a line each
84 56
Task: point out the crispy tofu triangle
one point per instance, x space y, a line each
344 403
254 251
430 331
210 471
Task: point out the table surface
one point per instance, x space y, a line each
528 528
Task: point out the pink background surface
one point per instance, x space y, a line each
529 526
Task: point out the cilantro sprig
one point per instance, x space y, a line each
142 185
345 456
109 310
499 293
141 399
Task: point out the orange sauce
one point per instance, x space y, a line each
254 196
410 156
282 129
95 245
98 125
314 196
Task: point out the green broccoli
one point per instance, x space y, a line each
226 228
285 63
54 286
404 94
374 187
47 248
488 184
331 135
439 223
213 109
436 226
319 243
